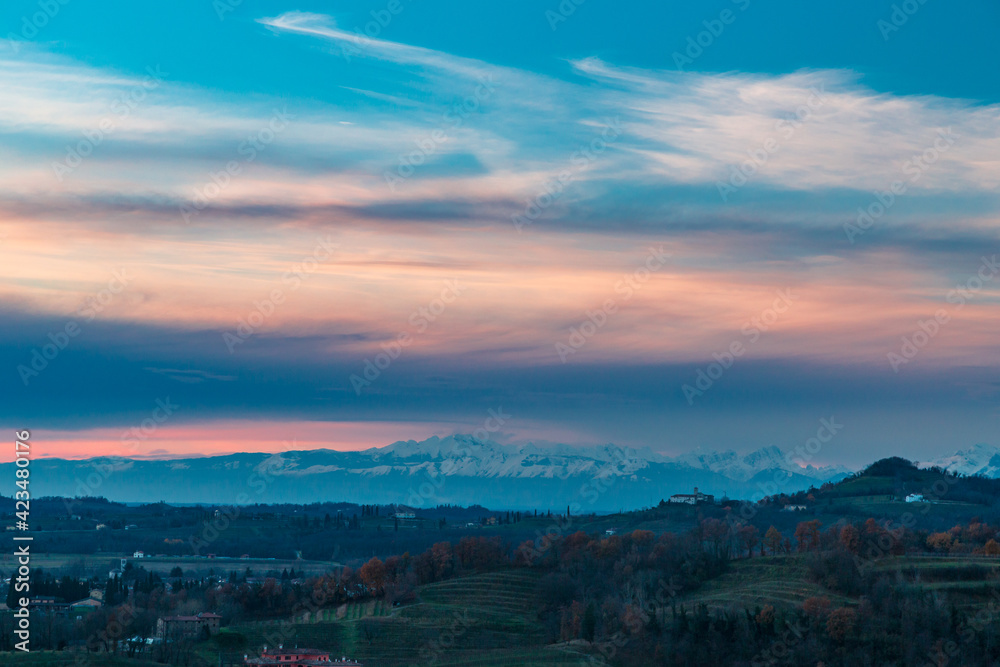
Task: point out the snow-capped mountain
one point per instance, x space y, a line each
463 455
980 459
747 466
456 469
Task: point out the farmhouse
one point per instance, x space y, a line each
692 498
82 607
187 627
47 603
298 657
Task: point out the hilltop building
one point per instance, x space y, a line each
692 498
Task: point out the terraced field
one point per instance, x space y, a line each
471 621
776 580
968 581
495 594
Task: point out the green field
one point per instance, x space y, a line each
781 581
487 619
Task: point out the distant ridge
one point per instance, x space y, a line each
455 469
979 459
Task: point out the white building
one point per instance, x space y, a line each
915 498
692 498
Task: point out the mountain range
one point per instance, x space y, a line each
451 470
980 459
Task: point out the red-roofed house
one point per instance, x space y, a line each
298 657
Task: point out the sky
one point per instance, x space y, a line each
259 226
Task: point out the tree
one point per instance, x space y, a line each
765 618
939 541
589 623
850 537
817 607
773 539
841 622
807 535
372 574
749 537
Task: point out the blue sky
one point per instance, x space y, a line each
939 50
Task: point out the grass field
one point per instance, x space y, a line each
487 619
781 581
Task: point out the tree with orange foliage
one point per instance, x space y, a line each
765 618
992 548
841 622
807 535
716 533
939 541
850 537
642 538
817 607
443 558
773 539
372 574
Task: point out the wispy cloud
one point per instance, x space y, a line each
682 133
